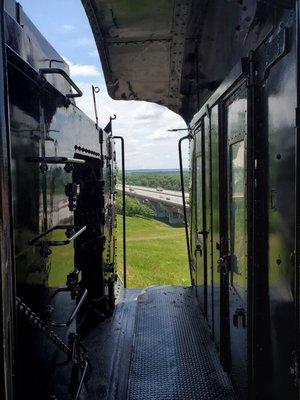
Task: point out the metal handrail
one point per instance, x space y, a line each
184 204
74 312
59 71
70 237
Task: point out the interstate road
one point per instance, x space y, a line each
171 197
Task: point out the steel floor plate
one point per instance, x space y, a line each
156 346
173 356
109 345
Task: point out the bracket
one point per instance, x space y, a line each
269 53
44 161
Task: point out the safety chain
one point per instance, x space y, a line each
76 353
36 322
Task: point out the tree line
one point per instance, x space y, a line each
169 181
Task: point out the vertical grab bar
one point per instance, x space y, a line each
124 205
184 204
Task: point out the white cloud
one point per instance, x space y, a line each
162 134
68 28
147 112
148 144
82 70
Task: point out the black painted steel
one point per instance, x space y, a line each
123 207
236 130
280 90
55 163
271 367
253 312
297 201
7 301
59 71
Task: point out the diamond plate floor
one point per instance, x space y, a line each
156 346
173 357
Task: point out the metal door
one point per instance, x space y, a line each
237 260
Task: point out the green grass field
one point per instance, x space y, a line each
62 261
156 253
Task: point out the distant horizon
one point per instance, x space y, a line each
154 169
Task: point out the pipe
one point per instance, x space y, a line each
184 204
124 206
95 90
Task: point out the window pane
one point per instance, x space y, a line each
237 212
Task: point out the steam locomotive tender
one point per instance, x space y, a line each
62 181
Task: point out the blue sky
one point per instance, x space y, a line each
143 125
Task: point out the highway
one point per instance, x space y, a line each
170 197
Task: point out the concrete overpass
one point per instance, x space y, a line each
166 204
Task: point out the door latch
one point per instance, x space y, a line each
198 248
239 315
224 264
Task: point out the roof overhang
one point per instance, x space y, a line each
175 52
141 47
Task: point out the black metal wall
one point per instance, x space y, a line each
62 172
247 290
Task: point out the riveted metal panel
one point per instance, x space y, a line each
280 104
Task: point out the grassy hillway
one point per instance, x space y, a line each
156 253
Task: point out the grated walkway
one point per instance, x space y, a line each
155 347
173 356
